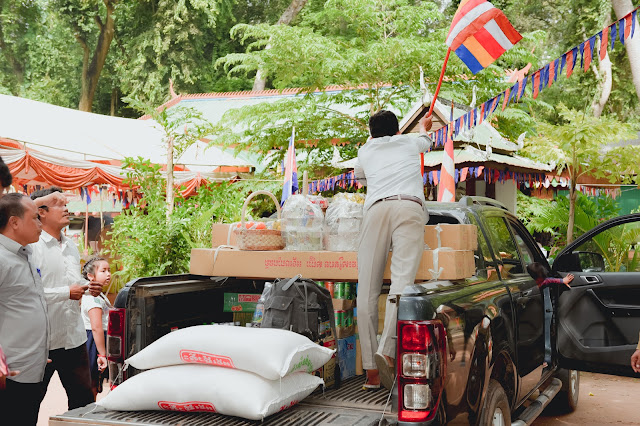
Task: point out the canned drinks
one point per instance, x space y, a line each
348 291
330 285
348 318
340 290
340 318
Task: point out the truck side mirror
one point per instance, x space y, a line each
590 261
580 261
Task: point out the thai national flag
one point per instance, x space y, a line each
290 170
480 33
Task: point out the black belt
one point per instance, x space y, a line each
401 198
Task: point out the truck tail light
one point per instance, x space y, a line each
421 365
116 332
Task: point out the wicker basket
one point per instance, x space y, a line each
258 239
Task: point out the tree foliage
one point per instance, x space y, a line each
374 49
581 146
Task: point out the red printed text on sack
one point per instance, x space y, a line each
187 406
197 357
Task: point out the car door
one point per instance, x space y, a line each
599 318
511 246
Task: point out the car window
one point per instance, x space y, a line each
618 245
504 245
525 250
484 261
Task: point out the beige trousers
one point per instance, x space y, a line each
397 225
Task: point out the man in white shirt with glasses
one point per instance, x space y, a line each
58 261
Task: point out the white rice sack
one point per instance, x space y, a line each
268 352
210 389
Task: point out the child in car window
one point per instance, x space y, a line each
540 274
95 314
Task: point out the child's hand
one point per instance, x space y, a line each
567 279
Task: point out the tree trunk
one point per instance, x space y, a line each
603 73
91 70
572 211
621 8
285 19
169 177
114 101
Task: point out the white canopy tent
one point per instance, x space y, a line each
79 135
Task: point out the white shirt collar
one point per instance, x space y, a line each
13 246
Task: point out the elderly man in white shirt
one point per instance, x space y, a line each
394 216
23 313
58 261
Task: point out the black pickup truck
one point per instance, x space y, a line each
482 338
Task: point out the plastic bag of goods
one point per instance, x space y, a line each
269 352
342 222
302 223
201 388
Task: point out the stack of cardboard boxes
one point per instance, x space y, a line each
448 255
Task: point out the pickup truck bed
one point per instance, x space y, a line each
348 406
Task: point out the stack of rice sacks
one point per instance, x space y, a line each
237 371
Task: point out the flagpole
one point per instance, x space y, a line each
433 101
435 95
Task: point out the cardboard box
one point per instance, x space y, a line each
344 332
328 371
318 265
457 237
240 302
382 310
347 357
220 233
343 304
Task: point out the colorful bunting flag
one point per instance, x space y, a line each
447 186
480 33
604 37
290 170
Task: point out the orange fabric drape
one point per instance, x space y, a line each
65 177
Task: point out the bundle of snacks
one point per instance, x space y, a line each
302 223
343 221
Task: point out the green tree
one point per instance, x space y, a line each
177 40
373 48
580 145
181 128
146 240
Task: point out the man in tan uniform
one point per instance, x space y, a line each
394 217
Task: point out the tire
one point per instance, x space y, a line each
566 401
495 410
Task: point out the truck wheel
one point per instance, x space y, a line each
566 400
495 410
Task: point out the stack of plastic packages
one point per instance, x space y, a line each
342 222
236 371
302 223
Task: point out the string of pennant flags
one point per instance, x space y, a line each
490 175
344 181
530 180
619 31
348 180
126 197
